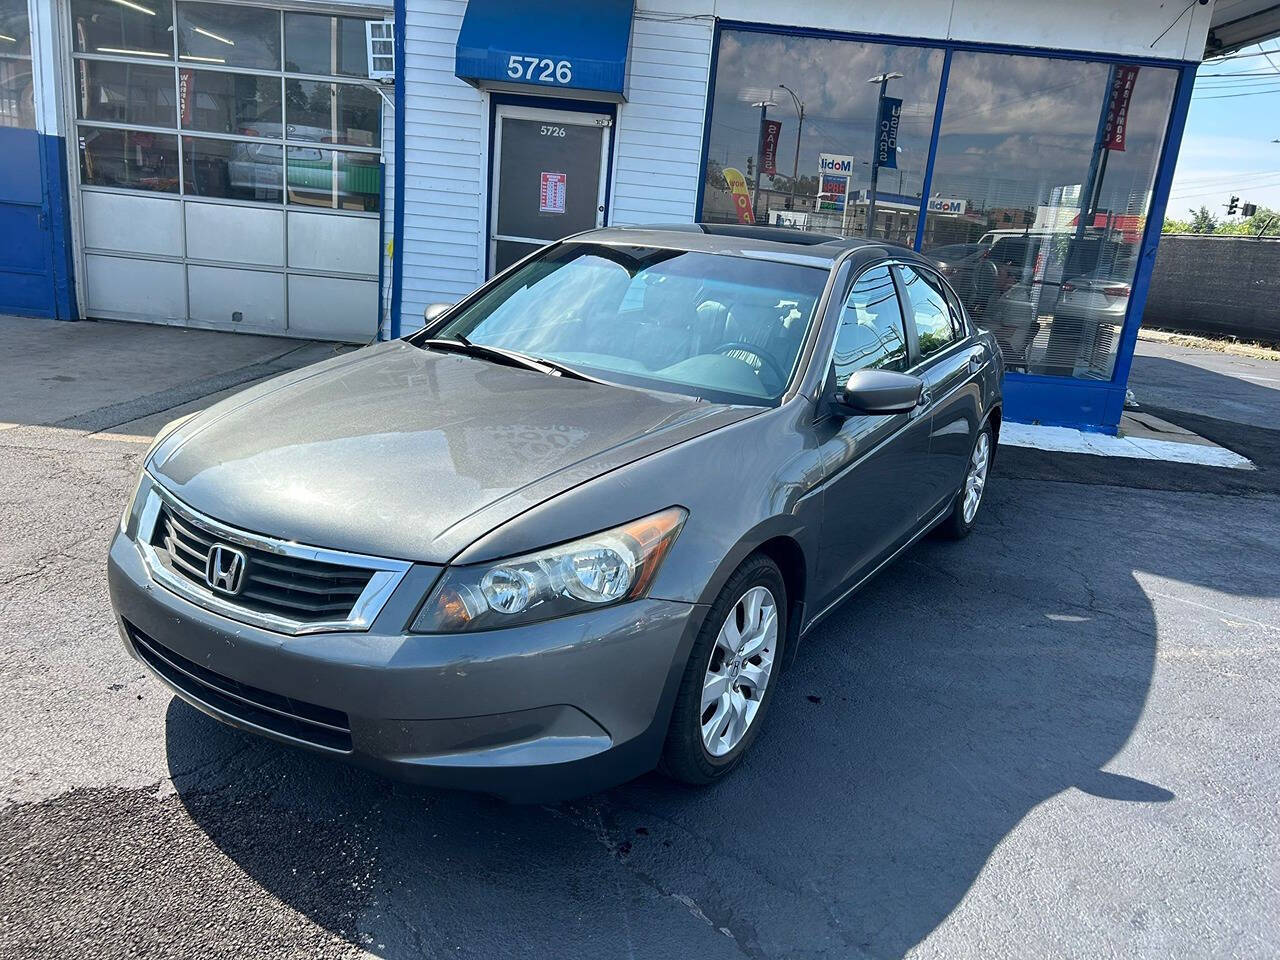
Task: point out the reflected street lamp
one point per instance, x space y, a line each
795 166
764 106
882 79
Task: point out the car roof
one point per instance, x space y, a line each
781 244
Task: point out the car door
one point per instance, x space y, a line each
950 361
872 464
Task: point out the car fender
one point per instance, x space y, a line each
742 485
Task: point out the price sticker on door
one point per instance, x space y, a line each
551 195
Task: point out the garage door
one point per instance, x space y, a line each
229 167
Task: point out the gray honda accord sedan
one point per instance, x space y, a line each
572 529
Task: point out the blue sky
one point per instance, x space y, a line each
1227 146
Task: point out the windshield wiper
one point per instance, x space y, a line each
510 357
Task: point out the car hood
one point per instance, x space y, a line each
400 452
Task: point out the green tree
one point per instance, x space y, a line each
1202 221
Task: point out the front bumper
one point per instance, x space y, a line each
532 713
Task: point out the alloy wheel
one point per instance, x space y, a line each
976 480
738 671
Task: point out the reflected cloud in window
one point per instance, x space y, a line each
841 108
1039 200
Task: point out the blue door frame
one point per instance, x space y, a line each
1094 405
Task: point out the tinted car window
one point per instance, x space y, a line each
870 333
927 304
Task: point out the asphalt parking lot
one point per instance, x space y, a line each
1060 737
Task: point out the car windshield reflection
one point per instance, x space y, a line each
717 326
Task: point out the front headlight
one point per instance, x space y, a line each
132 504
612 566
143 480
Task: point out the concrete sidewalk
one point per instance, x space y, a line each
100 375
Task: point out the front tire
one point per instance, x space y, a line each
729 680
964 509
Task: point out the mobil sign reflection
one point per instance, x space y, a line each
834 173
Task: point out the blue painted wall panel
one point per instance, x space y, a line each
1060 401
20 166
35 227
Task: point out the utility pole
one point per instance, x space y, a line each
883 79
795 166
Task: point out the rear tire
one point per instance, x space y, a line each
964 509
729 680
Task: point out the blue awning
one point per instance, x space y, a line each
571 45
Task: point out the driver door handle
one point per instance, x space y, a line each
975 361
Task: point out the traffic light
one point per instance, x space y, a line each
1233 207
751 165
1249 210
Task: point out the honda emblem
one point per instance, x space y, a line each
224 569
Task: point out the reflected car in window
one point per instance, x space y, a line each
569 530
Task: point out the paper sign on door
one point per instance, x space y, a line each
551 196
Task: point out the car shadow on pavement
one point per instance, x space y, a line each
919 725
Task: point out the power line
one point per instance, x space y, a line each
1228 187
1232 96
1211 177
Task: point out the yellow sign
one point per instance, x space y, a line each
741 197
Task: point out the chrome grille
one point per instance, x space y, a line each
279 585
287 586
300 589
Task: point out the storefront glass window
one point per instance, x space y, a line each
136 159
817 173
332 112
336 179
241 104
327 46
1039 199
17 104
141 29
233 36
126 93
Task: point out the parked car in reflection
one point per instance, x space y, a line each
310 173
1076 286
1087 319
570 530
949 256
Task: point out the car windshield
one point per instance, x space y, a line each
723 327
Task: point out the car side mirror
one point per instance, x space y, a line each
881 391
434 311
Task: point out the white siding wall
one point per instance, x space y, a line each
446 146
658 146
